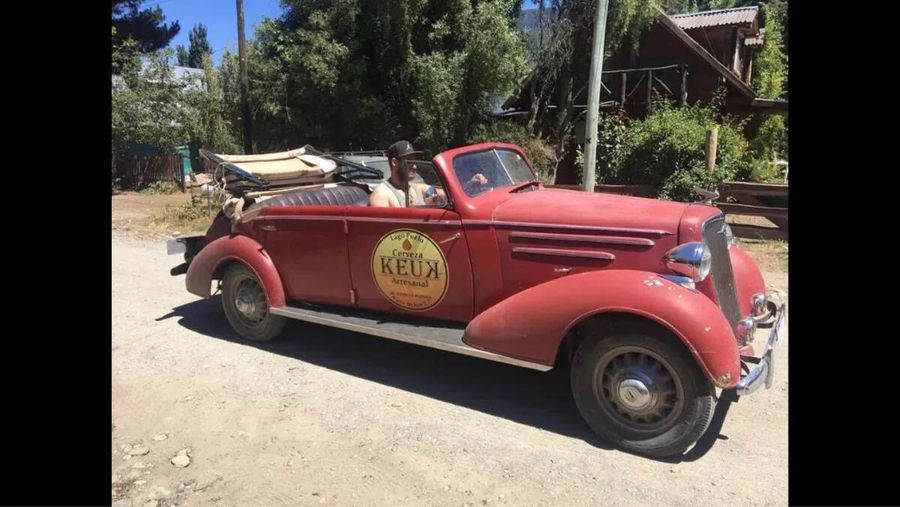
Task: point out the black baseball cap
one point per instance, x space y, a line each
401 149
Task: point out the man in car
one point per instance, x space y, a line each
400 191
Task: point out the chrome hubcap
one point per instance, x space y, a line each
634 394
637 388
250 301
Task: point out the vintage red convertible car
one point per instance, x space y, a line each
649 303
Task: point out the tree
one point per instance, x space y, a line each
148 107
209 126
197 51
768 134
147 27
151 108
561 73
354 74
181 56
199 47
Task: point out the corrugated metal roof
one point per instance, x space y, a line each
720 17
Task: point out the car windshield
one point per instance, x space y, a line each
486 170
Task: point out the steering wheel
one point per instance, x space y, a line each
475 187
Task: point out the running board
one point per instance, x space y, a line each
447 337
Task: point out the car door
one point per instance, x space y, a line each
308 246
410 261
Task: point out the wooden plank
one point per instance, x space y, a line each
750 198
641 69
604 87
658 80
760 211
636 85
776 189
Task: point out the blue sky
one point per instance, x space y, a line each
219 17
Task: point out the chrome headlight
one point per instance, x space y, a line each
693 260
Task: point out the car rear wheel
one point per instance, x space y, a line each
247 307
640 390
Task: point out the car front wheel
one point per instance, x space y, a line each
639 389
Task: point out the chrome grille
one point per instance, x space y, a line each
721 272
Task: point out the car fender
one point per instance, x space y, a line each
748 279
531 324
235 248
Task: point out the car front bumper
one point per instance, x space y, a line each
764 370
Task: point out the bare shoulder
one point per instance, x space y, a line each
381 196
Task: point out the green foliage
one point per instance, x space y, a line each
768 133
209 124
161 187
770 65
354 75
181 56
145 27
199 47
626 20
192 216
197 50
152 108
147 105
563 63
666 150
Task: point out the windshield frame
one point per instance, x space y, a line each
495 149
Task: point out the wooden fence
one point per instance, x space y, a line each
137 172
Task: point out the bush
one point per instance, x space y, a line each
539 151
161 187
666 150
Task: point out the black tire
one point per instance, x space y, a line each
641 390
247 307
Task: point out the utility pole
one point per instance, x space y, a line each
245 85
593 111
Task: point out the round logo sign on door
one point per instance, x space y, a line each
410 270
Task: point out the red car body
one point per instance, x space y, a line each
523 269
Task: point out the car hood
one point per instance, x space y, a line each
575 208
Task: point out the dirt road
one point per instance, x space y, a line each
323 416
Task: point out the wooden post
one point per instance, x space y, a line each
649 91
624 90
683 85
712 142
595 82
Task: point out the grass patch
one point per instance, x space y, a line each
161 187
186 218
